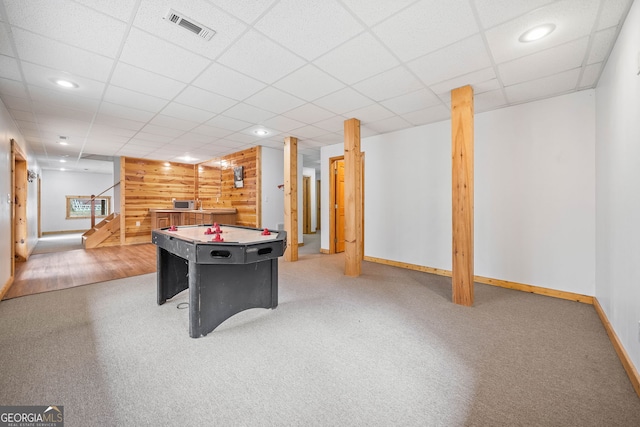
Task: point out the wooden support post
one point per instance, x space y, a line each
291 197
462 194
352 198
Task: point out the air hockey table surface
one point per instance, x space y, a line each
223 277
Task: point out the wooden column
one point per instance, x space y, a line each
291 197
352 198
462 194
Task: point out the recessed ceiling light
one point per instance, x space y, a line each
63 143
536 33
67 84
261 132
63 169
63 161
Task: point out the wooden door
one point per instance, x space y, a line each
306 205
339 206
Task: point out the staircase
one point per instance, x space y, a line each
101 232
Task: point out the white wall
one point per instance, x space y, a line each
272 196
618 187
311 173
534 194
56 185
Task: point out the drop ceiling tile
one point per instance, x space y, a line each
489 101
342 101
129 98
374 11
162 130
274 100
545 63
481 80
389 125
433 114
152 137
83 27
150 18
139 80
12 88
308 132
125 112
308 113
612 12
59 56
543 88
494 12
372 113
389 84
240 137
42 77
413 101
5 44
282 123
105 131
330 138
358 59
117 122
248 113
140 143
332 124
297 83
601 45
120 9
42 97
153 54
260 58
227 82
573 19
9 68
590 75
184 112
173 122
211 131
427 26
308 27
196 138
16 102
58 111
246 11
229 123
204 100
463 57
23 116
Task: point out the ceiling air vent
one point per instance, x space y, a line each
188 23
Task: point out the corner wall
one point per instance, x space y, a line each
618 187
534 194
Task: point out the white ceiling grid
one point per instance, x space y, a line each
292 67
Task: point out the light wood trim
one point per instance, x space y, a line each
626 361
352 198
291 197
462 197
324 251
123 197
259 186
585 299
535 289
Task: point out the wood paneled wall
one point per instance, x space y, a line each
246 200
150 184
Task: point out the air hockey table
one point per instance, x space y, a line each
227 269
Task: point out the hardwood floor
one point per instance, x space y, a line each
61 270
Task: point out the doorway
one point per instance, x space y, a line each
306 205
336 211
19 181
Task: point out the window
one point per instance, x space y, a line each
80 206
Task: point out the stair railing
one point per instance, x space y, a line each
93 204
